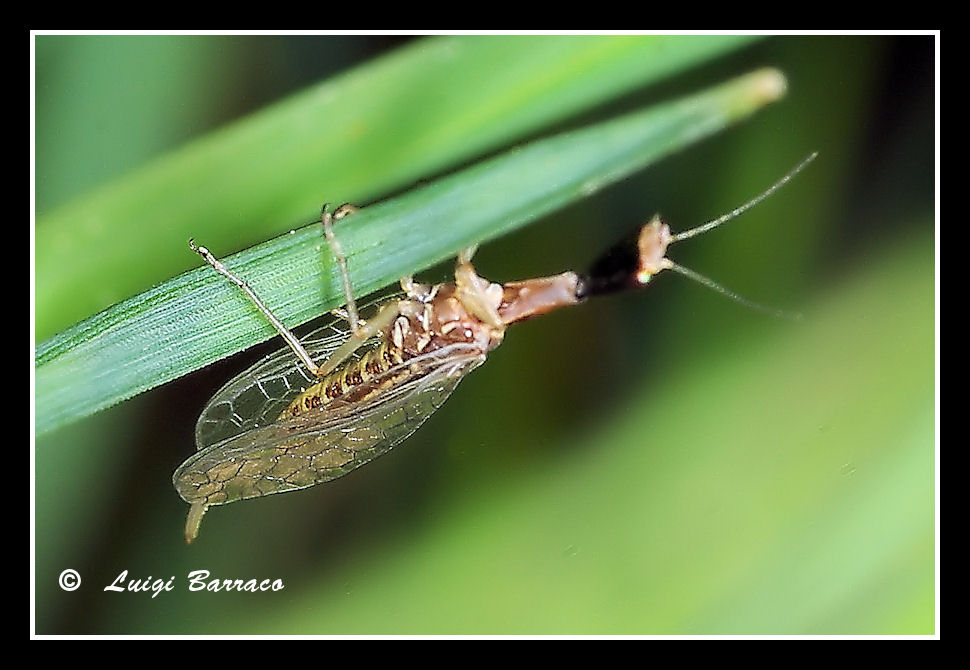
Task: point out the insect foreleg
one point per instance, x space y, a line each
479 296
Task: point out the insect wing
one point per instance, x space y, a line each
316 447
255 397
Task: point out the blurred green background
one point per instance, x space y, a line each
665 462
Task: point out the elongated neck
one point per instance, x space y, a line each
531 297
627 265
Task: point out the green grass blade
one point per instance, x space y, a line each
198 317
354 138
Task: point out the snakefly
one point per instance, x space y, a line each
351 394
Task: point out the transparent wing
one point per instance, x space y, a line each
256 397
320 446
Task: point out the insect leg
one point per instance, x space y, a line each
409 286
343 314
477 295
417 291
327 219
290 338
384 318
465 255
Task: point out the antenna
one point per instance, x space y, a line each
713 285
710 225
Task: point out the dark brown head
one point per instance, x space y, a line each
630 263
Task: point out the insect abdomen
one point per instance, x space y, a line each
335 385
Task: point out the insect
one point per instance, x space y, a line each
288 422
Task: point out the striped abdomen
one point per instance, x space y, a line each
338 383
